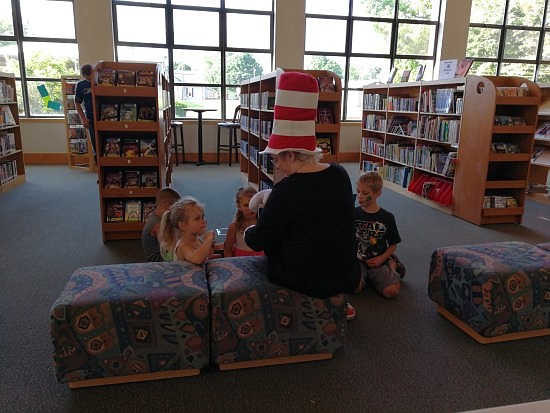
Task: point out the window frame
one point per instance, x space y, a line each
221 48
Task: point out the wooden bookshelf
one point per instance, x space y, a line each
257 101
468 128
539 174
409 134
141 127
12 165
80 154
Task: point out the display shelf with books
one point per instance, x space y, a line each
499 121
257 103
449 145
79 146
132 127
12 165
410 133
539 173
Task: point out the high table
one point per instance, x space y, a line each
200 111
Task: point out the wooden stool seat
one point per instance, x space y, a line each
176 129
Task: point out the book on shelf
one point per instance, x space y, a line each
114 210
132 210
8 171
537 151
69 88
126 77
405 75
543 131
130 148
326 84
512 91
128 112
505 147
69 105
420 73
108 112
6 117
450 164
73 118
113 179
78 146
106 77
149 179
112 147
505 120
391 75
7 92
148 208
145 78
7 143
325 145
148 147
146 113
131 178
325 115
463 67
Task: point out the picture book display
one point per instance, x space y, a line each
420 73
106 77
109 112
126 77
131 179
325 145
148 147
132 210
146 113
447 69
114 210
391 75
113 179
149 179
130 148
112 147
148 208
128 112
326 84
463 67
145 78
325 115
405 75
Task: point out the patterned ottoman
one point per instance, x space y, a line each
493 292
256 323
131 322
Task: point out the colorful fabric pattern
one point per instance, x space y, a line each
118 320
254 319
495 288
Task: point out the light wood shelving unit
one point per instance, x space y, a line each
12 163
257 101
408 130
539 174
156 99
79 147
480 173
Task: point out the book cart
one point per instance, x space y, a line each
257 103
12 165
539 174
459 145
79 147
132 127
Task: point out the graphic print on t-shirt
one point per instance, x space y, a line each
370 237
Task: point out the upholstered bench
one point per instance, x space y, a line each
131 322
493 292
257 323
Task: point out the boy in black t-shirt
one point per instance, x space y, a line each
377 237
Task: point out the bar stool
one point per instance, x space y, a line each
177 130
232 143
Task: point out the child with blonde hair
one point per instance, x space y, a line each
183 229
245 217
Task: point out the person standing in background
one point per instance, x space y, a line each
83 97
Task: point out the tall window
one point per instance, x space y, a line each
208 46
361 40
38 44
510 38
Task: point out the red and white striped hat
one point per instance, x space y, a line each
294 115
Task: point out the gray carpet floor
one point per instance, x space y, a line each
401 356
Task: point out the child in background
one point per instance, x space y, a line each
234 241
151 230
184 227
377 237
